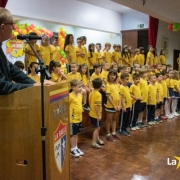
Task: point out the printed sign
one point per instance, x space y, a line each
60 145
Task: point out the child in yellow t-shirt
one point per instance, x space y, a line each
33 69
158 68
75 115
106 55
46 51
160 97
55 49
142 56
114 55
150 56
80 52
83 70
143 84
113 105
126 105
56 74
97 72
162 57
152 99
98 54
69 49
125 56
95 113
84 40
164 85
104 72
119 54
137 57
30 57
136 69
136 99
92 58
74 74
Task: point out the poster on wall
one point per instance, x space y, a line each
15 50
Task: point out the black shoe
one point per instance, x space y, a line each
86 107
124 133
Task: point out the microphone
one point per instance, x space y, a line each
29 37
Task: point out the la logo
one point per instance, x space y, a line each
174 162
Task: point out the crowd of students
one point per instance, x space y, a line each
135 91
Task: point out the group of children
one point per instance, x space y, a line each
142 98
134 91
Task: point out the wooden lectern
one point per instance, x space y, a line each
20 134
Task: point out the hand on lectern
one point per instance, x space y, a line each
46 82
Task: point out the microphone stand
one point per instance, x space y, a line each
44 74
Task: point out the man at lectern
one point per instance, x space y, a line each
9 73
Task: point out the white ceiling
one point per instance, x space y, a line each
108 4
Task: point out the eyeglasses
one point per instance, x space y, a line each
9 23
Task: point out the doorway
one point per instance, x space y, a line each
176 56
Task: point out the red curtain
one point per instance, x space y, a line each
152 31
3 3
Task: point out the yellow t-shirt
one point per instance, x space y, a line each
28 50
116 57
75 108
162 59
46 53
36 78
137 59
119 58
95 99
55 53
160 91
144 90
152 93
126 60
72 52
126 96
85 80
54 77
113 90
135 91
164 85
157 71
71 76
130 56
150 58
156 60
93 59
176 84
94 76
170 83
98 55
142 59
104 74
85 51
107 57
130 78
79 59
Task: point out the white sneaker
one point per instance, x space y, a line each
75 153
133 129
80 152
137 127
171 116
176 114
150 123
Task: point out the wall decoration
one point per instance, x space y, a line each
14 48
26 29
164 45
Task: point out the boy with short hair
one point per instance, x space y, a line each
136 99
150 56
126 105
80 52
95 113
98 53
33 67
152 99
137 57
55 49
75 112
97 72
144 92
114 55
